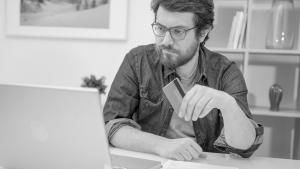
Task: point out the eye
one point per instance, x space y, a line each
178 31
160 28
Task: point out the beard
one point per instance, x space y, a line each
173 58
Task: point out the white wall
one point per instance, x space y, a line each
64 62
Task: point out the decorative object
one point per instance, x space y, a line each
281 29
275 96
93 82
76 19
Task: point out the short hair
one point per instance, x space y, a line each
203 11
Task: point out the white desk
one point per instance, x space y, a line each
226 160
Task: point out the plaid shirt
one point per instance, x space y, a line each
136 97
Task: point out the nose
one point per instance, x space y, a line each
167 40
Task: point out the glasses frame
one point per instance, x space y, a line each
169 30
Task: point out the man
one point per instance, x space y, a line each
214 114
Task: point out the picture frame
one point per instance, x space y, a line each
115 30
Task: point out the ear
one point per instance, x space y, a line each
204 34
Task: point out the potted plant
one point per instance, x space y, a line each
93 82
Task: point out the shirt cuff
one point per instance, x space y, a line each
221 145
114 125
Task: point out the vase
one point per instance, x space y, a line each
281 29
275 96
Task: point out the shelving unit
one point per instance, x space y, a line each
261 111
263 67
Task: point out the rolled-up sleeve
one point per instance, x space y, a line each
221 145
123 98
234 84
114 125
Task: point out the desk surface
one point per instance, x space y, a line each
225 160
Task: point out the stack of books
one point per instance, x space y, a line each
238 29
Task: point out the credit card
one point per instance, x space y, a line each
174 92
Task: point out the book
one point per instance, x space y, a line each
232 30
237 33
237 30
243 31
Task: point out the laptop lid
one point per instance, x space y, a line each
51 128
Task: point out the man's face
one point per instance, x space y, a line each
175 53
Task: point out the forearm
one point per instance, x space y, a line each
134 139
238 129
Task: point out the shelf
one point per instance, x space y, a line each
262 55
236 55
228 50
263 67
257 51
274 58
259 111
275 51
231 3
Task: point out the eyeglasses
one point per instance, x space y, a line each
177 33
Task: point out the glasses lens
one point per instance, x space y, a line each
159 30
178 33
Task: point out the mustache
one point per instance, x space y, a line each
167 48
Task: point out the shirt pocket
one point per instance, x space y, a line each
150 106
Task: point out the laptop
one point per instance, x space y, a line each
46 127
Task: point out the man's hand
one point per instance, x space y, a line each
183 149
200 100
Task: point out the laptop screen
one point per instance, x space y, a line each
44 127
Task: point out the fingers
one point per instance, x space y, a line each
200 107
186 154
197 103
191 150
209 106
186 102
197 147
178 157
183 149
190 109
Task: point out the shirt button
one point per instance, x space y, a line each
171 110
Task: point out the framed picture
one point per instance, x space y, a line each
87 19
